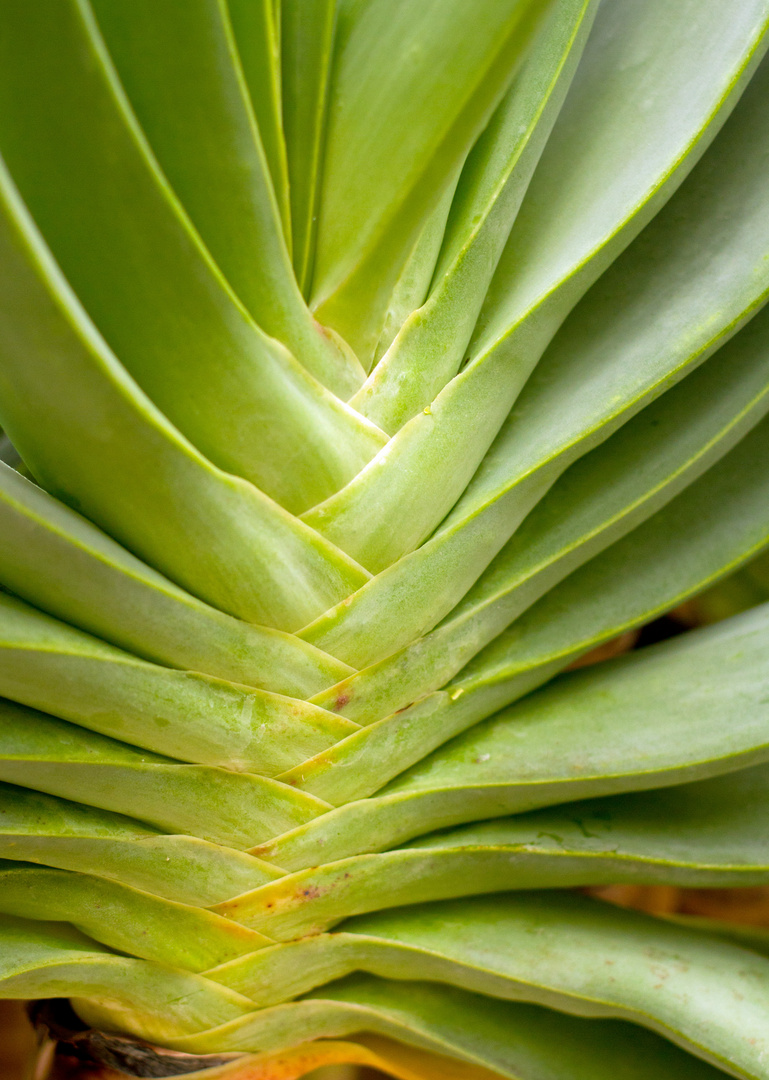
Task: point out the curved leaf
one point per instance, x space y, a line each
390 1057
412 286
125 233
123 918
522 1042
181 72
717 523
307 38
51 666
707 834
40 960
412 87
684 270
430 346
695 275
599 499
41 829
104 589
236 809
122 463
563 950
257 31
625 725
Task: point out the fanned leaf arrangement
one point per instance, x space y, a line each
363 364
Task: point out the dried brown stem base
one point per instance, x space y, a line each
69 1050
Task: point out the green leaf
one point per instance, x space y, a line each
622 726
600 498
699 536
235 809
257 30
562 950
430 346
307 34
93 438
41 829
181 71
8 454
411 289
412 88
624 356
125 233
104 589
647 573
707 834
613 155
345 782
48 665
522 1042
755 938
708 530
40 960
134 922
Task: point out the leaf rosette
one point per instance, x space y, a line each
363 365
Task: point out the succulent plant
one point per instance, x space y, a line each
363 364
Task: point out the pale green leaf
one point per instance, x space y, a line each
48 960
626 725
430 347
412 87
42 829
695 269
558 949
209 531
707 834
600 498
256 25
181 71
125 234
307 33
104 589
123 918
51 666
236 809
522 1042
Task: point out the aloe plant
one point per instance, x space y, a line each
363 364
